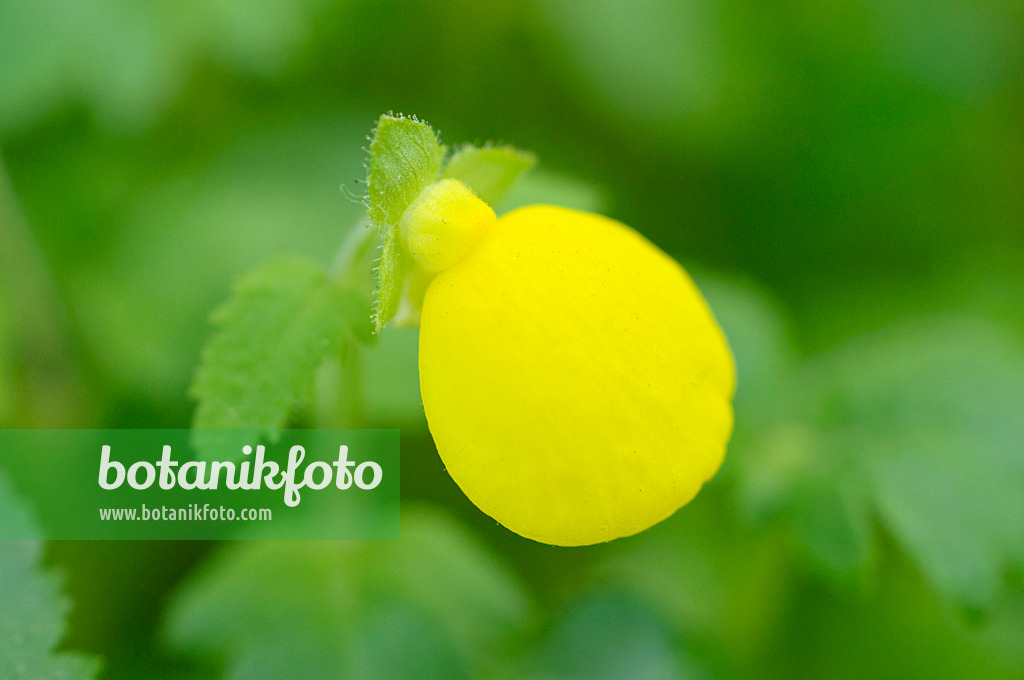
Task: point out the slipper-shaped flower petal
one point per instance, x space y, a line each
574 380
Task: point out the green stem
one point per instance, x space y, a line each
340 396
50 383
351 412
352 264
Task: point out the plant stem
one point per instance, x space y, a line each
350 400
51 388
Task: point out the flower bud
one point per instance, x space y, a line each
443 224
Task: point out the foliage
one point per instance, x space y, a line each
433 605
283 321
913 426
922 422
488 171
6 379
32 620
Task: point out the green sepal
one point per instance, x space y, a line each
489 170
391 272
405 157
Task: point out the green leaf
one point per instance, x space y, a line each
693 569
936 411
832 516
391 272
127 62
820 487
608 636
285 318
825 497
924 421
489 171
545 187
435 604
6 379
145 337
678 74
758 336
32 617
405 157
918 426
391 372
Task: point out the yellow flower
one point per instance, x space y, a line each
574 380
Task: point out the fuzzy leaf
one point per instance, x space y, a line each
488 171
285 318
34 610
405 157
391 272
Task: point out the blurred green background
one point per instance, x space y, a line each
844 179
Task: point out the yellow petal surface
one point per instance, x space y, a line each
574 380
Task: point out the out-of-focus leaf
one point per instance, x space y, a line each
677 71
935 412
832 515
900 628
826 497
608 635
33 611
434 604
163 260
823 492
488 171
405 157
5 369
696 571
545 187
285 318
110 54
1003 634
391 374
758 335
127 60
664 71
965 49
254 38
920 426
